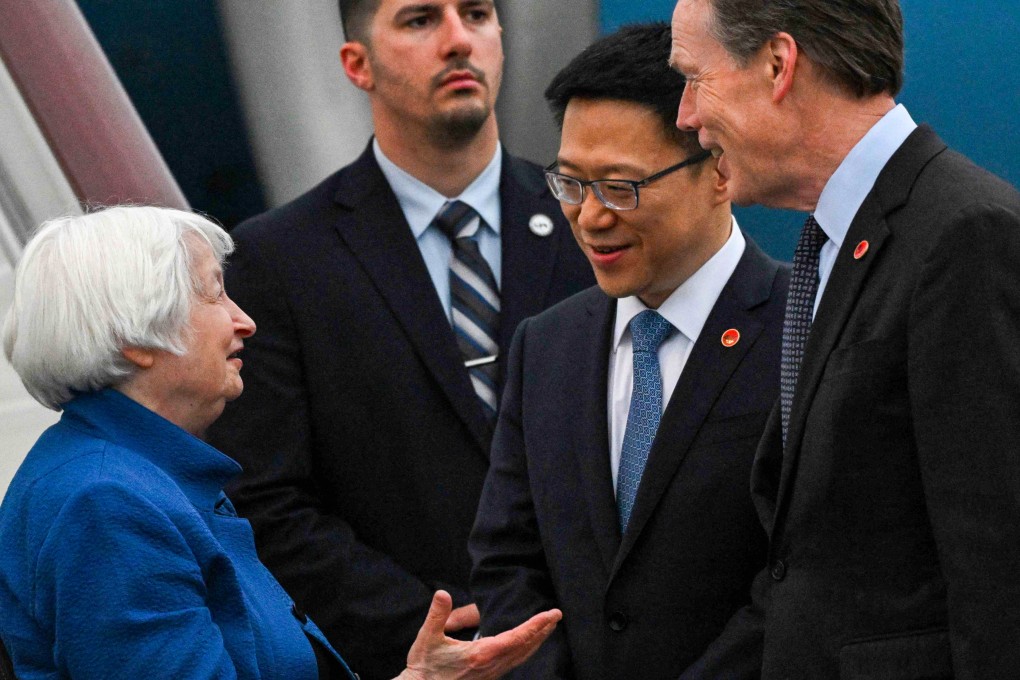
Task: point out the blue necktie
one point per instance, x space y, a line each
800 303
474 298
647 330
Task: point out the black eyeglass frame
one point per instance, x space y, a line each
635 184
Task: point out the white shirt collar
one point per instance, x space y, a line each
688 307
420 202
854 178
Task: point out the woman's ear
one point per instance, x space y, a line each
139 356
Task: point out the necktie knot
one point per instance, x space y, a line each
648 330
812 238
457 219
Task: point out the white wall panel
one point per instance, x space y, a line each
305 119
32 190
540 38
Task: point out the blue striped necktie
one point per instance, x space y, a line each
648 330
475 302
800 304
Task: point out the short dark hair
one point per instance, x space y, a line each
629 65
857 43
355 17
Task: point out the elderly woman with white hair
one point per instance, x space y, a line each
121 555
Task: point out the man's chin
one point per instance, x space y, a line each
460 125
740 193
745 196
742 201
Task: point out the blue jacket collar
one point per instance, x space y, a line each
198 469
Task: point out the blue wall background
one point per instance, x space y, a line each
962 78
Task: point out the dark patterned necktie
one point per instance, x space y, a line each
475 302
800 304
648 330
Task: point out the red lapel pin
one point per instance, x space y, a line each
730 337
861 250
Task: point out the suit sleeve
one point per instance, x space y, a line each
128 595
510 579
369 607
964 387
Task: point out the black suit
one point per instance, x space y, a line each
646 604
894 515
363 443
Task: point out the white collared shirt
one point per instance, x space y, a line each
687 308
420 203
852 182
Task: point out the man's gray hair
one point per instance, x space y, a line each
857 43
88 286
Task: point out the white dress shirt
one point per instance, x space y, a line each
852 182
420 203
687 308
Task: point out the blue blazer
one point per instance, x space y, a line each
122 558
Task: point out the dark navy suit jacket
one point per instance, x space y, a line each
649 603
363 443
894 513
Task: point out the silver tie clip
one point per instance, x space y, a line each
482 361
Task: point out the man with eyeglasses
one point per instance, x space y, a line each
618 484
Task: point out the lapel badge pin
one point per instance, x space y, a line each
861 250
540 225
730 337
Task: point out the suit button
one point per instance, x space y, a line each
298 614
617 621
778 570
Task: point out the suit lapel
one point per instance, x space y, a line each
846 280
706 373
590 375
841 291
376 232
528 259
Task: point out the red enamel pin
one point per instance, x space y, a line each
861 250
730 337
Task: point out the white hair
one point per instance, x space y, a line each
88 286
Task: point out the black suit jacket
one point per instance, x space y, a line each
363 443
649 603
894 515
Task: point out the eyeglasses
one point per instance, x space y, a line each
618 194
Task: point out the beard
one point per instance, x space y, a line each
457 128
458 120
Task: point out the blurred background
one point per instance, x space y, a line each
247 105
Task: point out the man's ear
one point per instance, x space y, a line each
139 356
354 57
781 55
720 185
